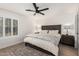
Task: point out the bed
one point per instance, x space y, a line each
47 41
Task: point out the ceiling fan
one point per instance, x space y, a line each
37 9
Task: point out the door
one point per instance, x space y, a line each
77 30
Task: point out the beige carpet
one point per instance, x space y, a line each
22 50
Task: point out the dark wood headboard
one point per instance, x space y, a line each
52 27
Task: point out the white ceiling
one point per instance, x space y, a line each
20 7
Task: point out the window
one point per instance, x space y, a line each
7 27
1 26
15 27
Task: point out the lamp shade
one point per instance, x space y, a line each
68 26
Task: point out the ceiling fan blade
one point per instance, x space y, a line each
44 9
29 10
42 13
34 4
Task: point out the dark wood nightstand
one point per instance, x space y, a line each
68 40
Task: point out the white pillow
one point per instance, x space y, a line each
56 31
53 32
43 32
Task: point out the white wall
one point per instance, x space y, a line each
25 27
58 14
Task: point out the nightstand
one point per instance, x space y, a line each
68 40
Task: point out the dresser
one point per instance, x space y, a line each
67 40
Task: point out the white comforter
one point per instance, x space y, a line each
45 41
